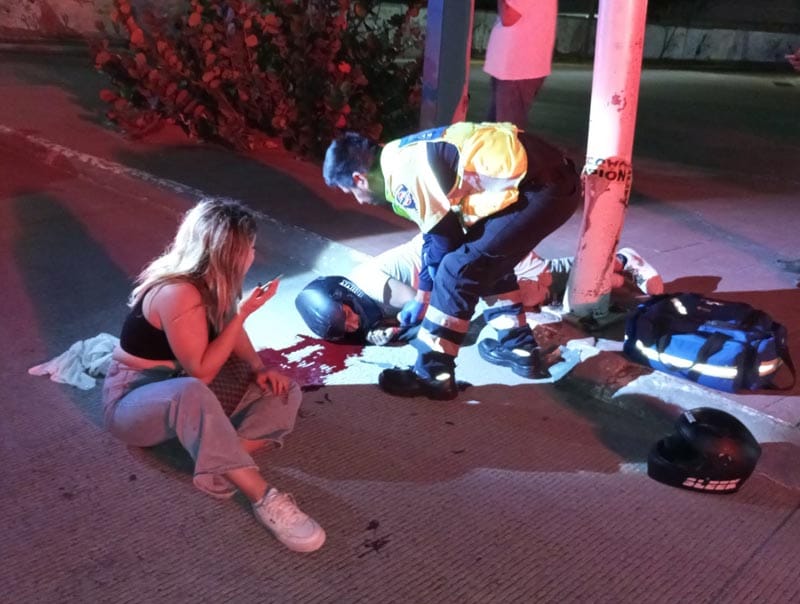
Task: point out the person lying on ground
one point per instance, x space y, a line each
484 195
363 307
180 343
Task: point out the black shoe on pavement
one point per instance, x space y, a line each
528 364
404 382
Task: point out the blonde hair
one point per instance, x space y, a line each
209 250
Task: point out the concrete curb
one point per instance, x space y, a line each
654 395
636 388
78 47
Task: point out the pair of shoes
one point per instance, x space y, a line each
279 513
643 274
404 382
524 362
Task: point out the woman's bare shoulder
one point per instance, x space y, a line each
176 300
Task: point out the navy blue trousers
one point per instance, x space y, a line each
483 267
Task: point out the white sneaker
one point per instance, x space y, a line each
296 530
643 274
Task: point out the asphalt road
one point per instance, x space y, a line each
515 492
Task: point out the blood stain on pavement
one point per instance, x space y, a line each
311 360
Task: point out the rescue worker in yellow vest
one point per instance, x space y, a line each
484 195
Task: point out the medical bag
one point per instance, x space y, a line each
729 346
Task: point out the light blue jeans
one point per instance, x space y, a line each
145 408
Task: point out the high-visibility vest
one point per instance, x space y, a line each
491 164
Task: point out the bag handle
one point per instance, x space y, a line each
783 355
710 347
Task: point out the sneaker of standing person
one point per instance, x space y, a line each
644 275
296 530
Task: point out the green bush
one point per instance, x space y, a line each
244 73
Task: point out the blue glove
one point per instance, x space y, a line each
432 272
412 313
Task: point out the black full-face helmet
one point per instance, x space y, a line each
321 304
710 451
323 315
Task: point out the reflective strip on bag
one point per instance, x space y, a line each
768 367
715 371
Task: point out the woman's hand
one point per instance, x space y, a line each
257 297
270 377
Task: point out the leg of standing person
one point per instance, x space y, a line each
512 99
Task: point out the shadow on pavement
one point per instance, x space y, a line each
69 279
268 187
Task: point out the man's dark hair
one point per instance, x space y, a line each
350 152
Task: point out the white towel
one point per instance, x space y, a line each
575 352
81 364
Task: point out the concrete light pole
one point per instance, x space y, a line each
607 173
445 70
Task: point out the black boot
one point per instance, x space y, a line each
404 382
527 365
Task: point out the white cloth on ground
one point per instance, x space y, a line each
81 364
575 352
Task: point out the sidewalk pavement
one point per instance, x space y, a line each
538 490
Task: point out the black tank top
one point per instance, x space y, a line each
141 339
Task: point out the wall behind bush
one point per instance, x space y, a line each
714 30
57 20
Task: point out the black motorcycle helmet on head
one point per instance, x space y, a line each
321 303
323 315
711 451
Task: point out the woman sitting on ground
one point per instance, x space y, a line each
185 325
